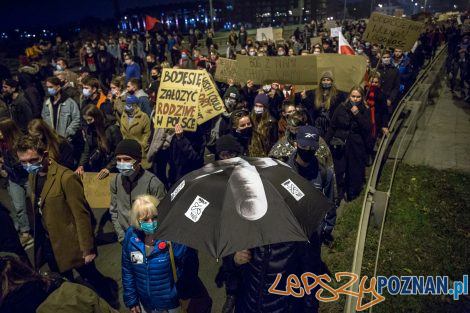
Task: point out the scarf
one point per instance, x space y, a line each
371 104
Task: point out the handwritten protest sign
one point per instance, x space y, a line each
392 31
348 70
294 70
335 31
97 191
315 40
268 33
210 103
264 34
226 68
178 99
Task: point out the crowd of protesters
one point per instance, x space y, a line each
59 121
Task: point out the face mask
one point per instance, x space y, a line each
149 227
126 169
326 85
246 132
59 68
360 51
316 52
51 91
356 103
280 54
131 92
33 168
252 53
230 104
386 61
86 93
114 92
89 52
184 56
129 109
306 155
258 110
154 77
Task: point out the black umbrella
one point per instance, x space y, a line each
240 203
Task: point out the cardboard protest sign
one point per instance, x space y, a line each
277 34
315 40
97 192
335 31
399 12
329 24
294 70
178 99
466 26
392 32
210 103
264 34
226 68
348 70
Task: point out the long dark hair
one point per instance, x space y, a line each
99 120
14 274
48 136
11 132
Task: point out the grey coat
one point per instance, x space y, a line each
68 119
121 200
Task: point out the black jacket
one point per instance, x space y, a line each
355 130
186 153
390 81
260 273
94 158
20 111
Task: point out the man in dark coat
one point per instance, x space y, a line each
390 80
19 107
9 240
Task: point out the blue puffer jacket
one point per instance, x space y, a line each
149 280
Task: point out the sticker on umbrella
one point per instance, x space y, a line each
194 212
293 189
177 190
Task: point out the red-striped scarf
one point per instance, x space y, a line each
371 104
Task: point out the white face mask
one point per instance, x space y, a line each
258 110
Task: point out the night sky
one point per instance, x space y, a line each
39 13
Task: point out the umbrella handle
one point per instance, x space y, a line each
172 260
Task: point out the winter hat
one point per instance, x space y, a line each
263 99
11 83
131 148
228 143
308 136
131 99
232 92
327 74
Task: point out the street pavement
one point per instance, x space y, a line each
443 141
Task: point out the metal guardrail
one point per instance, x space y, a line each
400 128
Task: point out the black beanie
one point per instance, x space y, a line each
228 143
131 148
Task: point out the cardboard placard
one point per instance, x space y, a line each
264 34
392 32
399 12
335 31
97 192
178 99
293 70
315 40
226 69
329 24
268 33
210 103
348 70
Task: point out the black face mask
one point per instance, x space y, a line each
246 132
291 136
154 77
131 92
306 155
